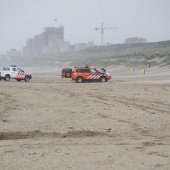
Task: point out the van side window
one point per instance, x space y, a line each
14 69
6 68
92 71
83 70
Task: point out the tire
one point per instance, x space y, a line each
103 79
0 78
79 80
27 79
67 75
7 77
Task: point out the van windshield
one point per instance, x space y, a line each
20 70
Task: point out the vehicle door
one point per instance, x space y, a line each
93 74
6 70
84 73
14 72
20 73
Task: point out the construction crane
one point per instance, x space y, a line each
102 29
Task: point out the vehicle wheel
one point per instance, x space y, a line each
79 80
27 79
7 78
103 79
18 79
67 75
0 78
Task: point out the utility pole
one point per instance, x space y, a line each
102 29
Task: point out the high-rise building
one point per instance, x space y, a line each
50 41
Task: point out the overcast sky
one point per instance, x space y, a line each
22 19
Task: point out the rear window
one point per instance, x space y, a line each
6 68
83 70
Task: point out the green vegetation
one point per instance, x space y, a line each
157 53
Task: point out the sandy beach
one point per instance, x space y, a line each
54 123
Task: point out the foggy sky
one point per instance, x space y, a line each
22 19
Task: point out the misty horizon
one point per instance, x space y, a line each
21 19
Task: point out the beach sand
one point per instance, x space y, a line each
54 123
